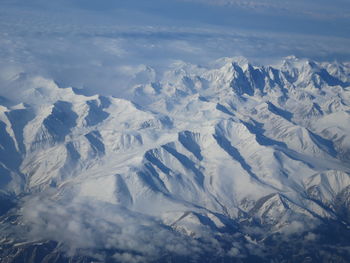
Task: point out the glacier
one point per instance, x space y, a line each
229 163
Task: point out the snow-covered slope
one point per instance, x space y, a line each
225 161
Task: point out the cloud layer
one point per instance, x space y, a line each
88 44
88 226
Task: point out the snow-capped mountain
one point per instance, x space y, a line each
234 162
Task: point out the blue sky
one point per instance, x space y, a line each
319 17
66 39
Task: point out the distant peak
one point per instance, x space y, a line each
240 61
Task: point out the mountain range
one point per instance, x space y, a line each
228 163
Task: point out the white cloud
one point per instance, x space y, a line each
96 57
316 9
87 225
89 45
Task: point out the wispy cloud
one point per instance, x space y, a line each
320 9
94 58
91 226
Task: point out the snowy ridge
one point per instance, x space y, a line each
205 154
